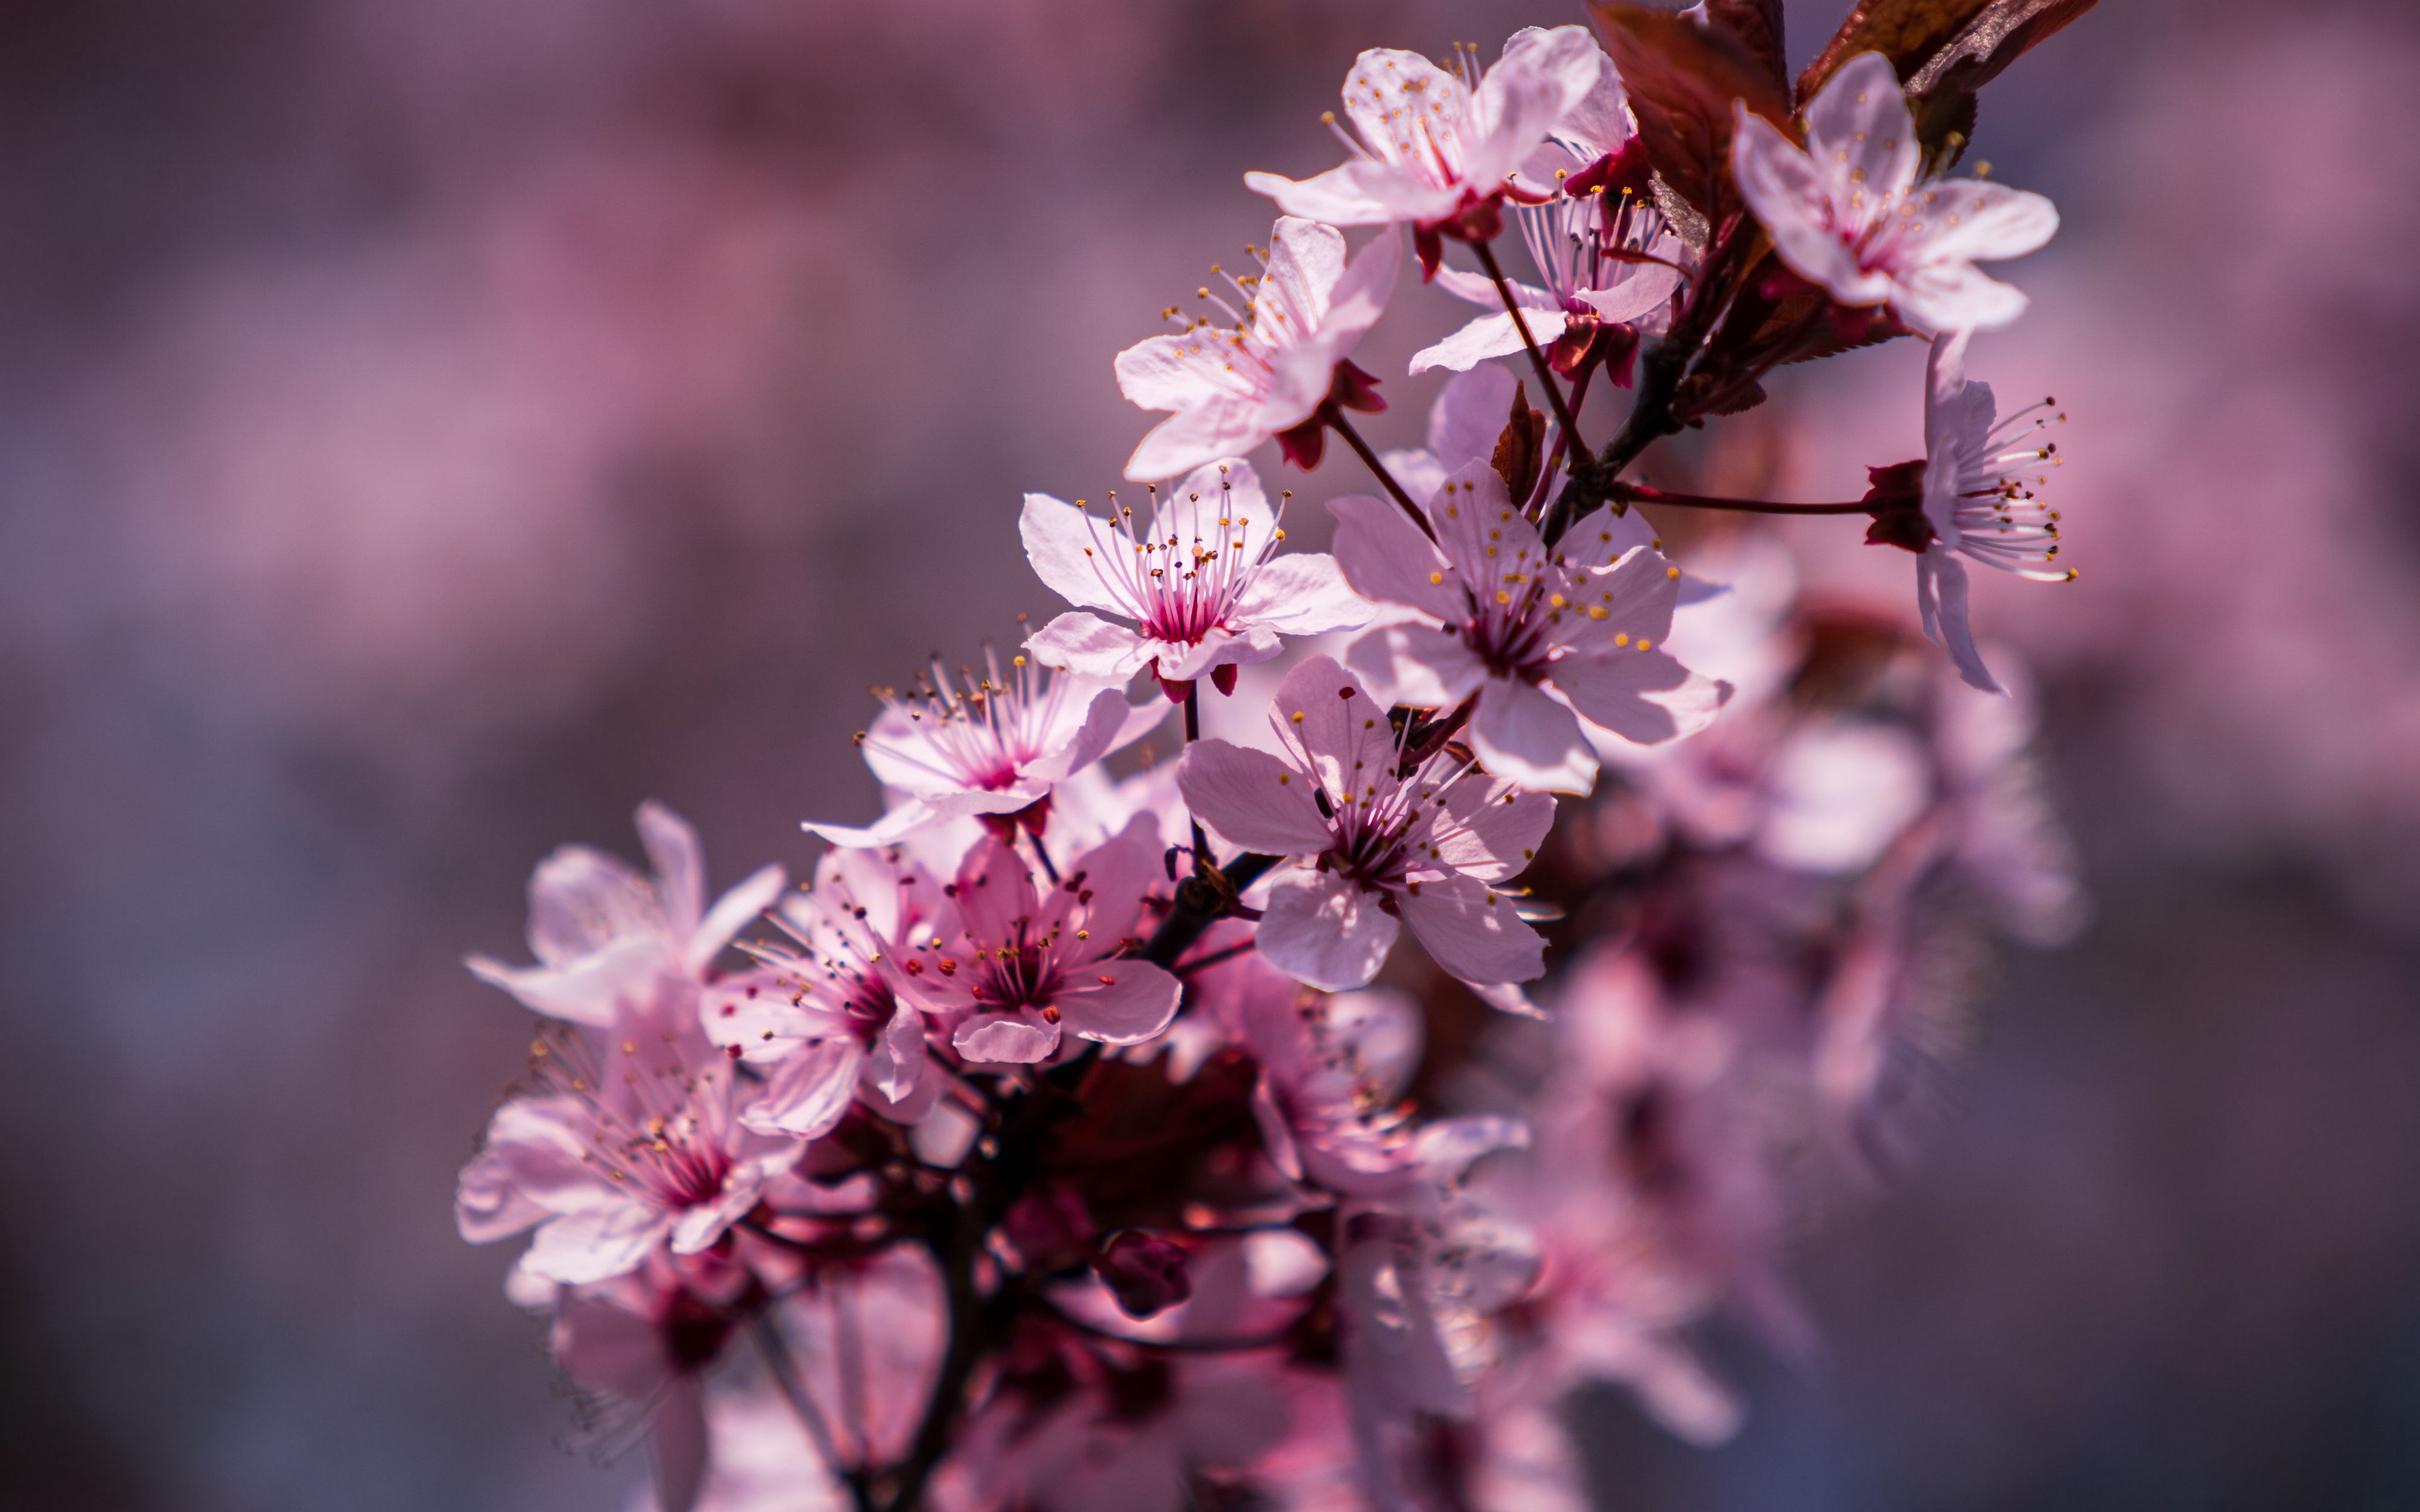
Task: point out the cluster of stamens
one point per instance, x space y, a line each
976 731
1179 584
2001 521
651 1124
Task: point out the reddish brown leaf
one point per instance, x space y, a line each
1757 25
1907 32
2004 32
1942 92
1683 80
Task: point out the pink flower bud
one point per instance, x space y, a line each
1146 1271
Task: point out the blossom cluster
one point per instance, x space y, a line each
1084 1132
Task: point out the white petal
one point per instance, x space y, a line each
1325 931
1473 933
1061 544
1525 737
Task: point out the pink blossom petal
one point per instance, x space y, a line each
1386 558
1473 933
1644 697
1489 336
1494 830
1860 122
1337 196
594 991
732 912
1211 428
1303 593
1469 415
1162 373
1522 734
899 1061
1418 664
1941 597
1018 1038
1542 75
1956 296
577 1248
1062 545
1251 800
1089 646
1320 929
810 1091
1119 1002
680 860
903 820
1972 221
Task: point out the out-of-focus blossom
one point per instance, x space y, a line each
1849 212
1136 1432
1607 257
640 1344
1421 845
631 1143
990 748
1432 146
1286 356
825 1016
1029 967
1418 1274
1501 617
1978 501
1202 579
605 936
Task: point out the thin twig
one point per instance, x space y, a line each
1521 323
1370 459
785 1375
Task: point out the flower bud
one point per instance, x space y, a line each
1145 1271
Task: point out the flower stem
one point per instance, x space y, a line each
1193 734
1370 459
785 1375
1639 493
1563 445
1521 323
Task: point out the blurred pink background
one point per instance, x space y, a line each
428 430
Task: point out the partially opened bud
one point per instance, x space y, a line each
1145 1271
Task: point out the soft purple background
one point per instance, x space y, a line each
427 429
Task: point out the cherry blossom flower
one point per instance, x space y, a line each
606 938
1419 846
826 1015
1978 502
1136 1430
1849 211
1201 579
1590 245
1499 616
639 1346
1417 1280
627 1145
1438 148
1284 358
990 748
1329 1092
1027 967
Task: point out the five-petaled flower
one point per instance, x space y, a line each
1610 261
825 1016
1978 502
1275 371
1438 148
1849 213
1498 615
1422 844
992 748
1027 967
609 940
1201 578
630 1141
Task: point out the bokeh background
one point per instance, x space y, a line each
427 429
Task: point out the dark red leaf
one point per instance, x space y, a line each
1907 32
1684 79
1757 25
1942 91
